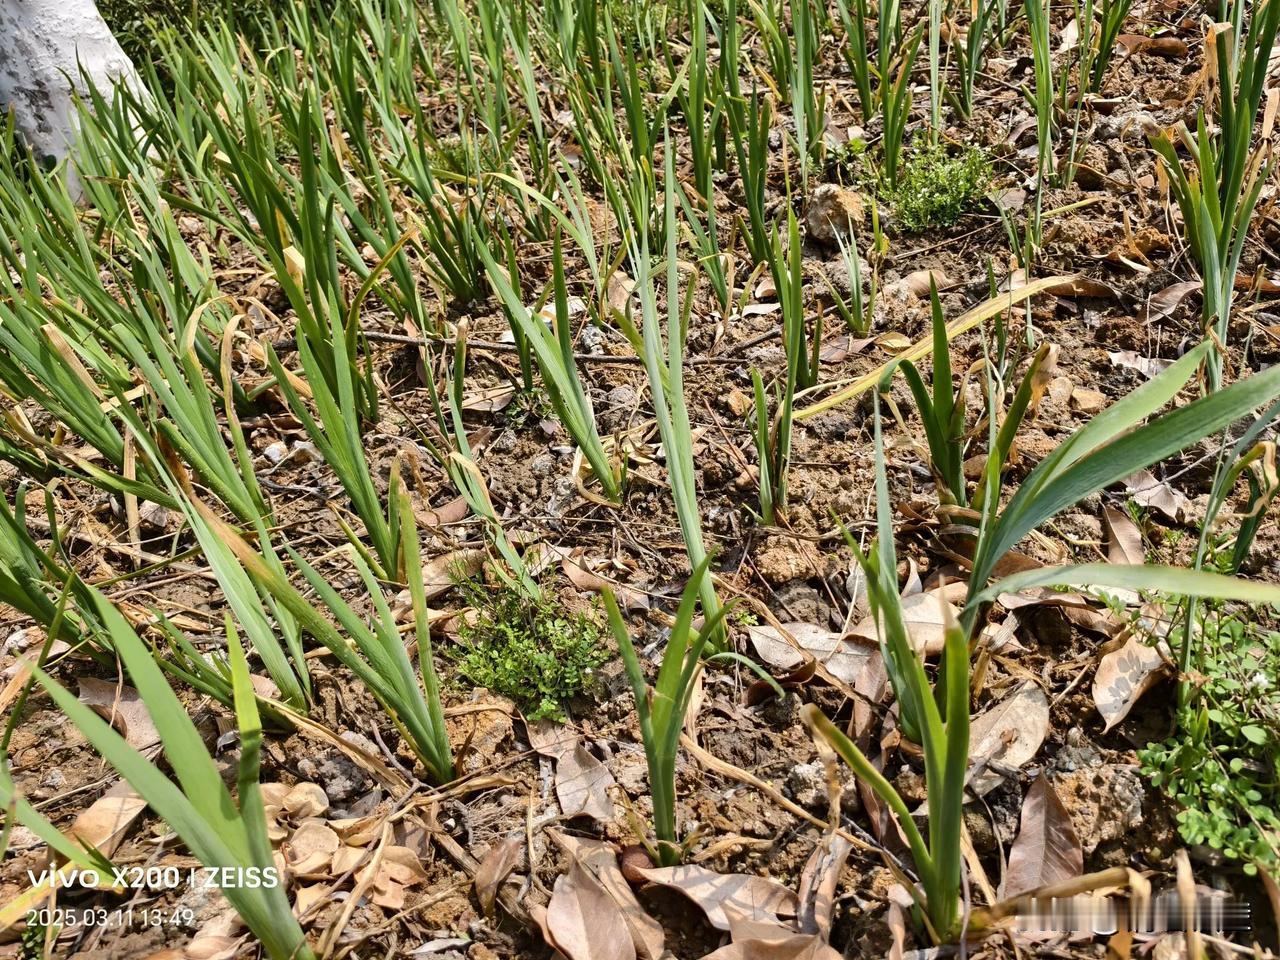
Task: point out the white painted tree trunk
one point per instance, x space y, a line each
44 44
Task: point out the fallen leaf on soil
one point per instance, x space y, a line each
1163 303
440 574
756 898
802 946
1169 47
760 690
1124 539
917 282
1157 495
1147 366
818 880
1082 286
841 348
123 708
584 922
1046 849
1123 676
106 821
925 615
494 869
305 800
601 860
489 399
306 897
618 291
844 657
1009 734
218 939
582 781
550 739
577 568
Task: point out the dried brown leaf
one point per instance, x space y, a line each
1147 366
584 922
123 707
1124 539
1157 495
582 785
1123 676
802 946
925 614
106 821
601 859
844 656
1010 734
310 850
494 870
757 898
1046 849
1164 302
917 282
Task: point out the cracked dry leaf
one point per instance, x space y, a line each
1046 849
439 574
1163 303
582 782
745 895
1124 674
123 708
1009 734
347 859
1147 366
305 800
1124 539
310 850
582 785
583 922
395 871
1157 495
916 283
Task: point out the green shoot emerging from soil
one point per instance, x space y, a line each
936 187
537 654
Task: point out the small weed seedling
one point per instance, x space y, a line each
538 654
935 188
1224 763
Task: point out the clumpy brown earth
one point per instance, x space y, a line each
756 806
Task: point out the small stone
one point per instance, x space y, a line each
807 783
1088 401
542 465
1104 800
591 339
833 212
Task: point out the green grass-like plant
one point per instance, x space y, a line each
661 708
219 830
